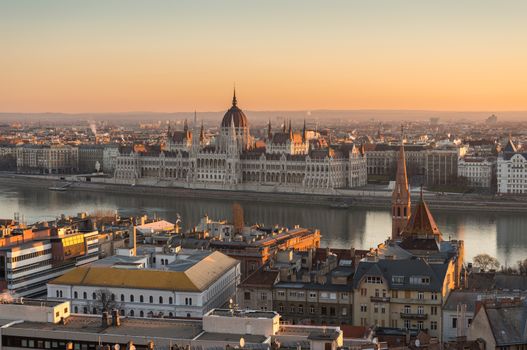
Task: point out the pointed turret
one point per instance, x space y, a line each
304 132
422 223
269 131
401 201
201 133
290 131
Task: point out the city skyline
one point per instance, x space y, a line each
75 57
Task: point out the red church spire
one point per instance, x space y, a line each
401 201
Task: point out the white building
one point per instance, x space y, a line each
188 283
285 164
512 171
477 171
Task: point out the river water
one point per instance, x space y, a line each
501 235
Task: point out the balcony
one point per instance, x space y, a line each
413 316
380 299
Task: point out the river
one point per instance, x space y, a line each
501 235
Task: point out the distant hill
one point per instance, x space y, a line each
320 116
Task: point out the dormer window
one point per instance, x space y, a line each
398 279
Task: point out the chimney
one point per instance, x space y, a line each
133 241
116 318
105 319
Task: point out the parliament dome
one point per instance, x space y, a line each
236 115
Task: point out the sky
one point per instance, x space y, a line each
167 56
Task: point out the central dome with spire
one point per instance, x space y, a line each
236 115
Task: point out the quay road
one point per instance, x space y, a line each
367 197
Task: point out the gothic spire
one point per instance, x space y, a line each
269 130
401 201
304 132
290 131
234 100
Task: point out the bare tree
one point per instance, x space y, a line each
486 262
522 267
105 301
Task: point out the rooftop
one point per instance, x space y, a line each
193 274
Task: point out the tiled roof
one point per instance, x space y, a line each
422 222
196 278
388 268
508 324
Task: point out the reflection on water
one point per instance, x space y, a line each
500 235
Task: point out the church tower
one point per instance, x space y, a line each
401 202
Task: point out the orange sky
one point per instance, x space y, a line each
110 55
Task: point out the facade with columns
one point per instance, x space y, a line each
286 163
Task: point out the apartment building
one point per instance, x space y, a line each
477 171
512 170
47 159
32 256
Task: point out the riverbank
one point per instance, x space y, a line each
366 198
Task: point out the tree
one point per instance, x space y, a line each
522 267
486 262
105 301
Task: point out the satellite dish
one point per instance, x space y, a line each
242 342
417 343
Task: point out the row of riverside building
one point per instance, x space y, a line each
283 160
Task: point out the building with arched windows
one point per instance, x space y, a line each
188 284
285 162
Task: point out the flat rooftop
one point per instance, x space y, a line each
31 302
228 337
157 328
242 313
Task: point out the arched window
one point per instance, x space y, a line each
398 211
151 299
160 300
190 301
94 311
141 299
131 312
122 297
131 298
170 300
170 314
122 312
57 292
188 315
94 296
405 211
75 295
113 297
84 296
76 309
141 313
61 294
